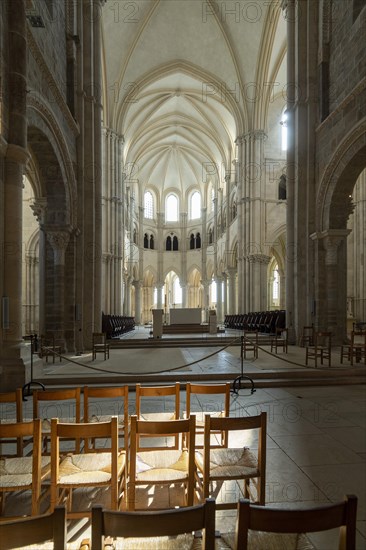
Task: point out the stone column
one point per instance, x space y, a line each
39 207
241 306
184 295
258 264
12 366
128 295
138 286
206 300
225 295
59 241
335 242
159 288
289 8
231 277
97 131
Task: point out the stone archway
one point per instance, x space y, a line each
334 206
54 208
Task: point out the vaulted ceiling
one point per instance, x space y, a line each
184 78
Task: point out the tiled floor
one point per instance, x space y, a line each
316 442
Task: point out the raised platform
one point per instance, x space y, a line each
192 328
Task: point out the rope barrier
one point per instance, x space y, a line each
107 371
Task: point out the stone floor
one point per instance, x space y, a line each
316 442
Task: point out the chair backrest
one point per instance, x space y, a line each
99 338
320 518
323 338
209 389
155 524
27 430
159 392
35 530
11 410
68 406
358 337
282 333
185 428
231 424
95 410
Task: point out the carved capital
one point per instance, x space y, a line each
258 258
39 208
59 241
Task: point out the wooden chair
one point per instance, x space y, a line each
280 340
48 347
307 336
90 469
100 345
11 411
146 528
322 348
35 530
357 347
250 343
162 467
168 412
19 474
97 410
264 522
232 464
214 408
63 404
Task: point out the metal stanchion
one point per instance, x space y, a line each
34 348
242 376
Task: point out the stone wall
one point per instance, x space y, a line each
347 81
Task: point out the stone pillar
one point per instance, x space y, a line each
225 295
289 8
12 366
240 223
138 286
258 264
184 295
39 207
97 131
159 288
206 298
128 296
335 242
59 241
231 277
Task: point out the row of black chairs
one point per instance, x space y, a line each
261 321
115 325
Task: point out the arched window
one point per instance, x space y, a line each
171 209
282 188
175 243
198 240
146 241
148 205
276 284
283 123
195 205
152 242
168 243
191 242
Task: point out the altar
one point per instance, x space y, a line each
185 316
